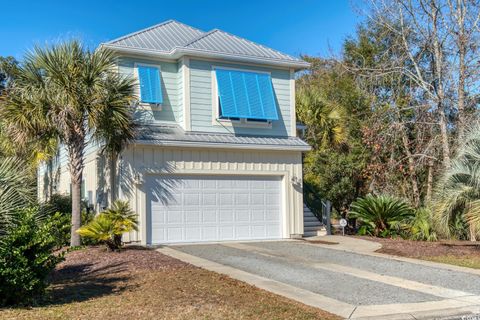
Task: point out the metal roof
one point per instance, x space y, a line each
172 135
221 41
164 36
173 39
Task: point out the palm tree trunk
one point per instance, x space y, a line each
75 152
76 213
113 181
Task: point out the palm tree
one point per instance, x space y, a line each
16 189
458 191
115 136
323 118
67 92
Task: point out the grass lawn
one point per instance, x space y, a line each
460 253
140 283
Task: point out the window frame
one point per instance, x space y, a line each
147 105
241 122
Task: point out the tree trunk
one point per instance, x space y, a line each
444 137
75 147
113 174
437 67
428 197
462 70
411 168
76 213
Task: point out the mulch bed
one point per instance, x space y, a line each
415 249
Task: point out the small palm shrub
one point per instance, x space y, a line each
380 216
109 226
420 227
26 257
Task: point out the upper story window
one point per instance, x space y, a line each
150 84
245 96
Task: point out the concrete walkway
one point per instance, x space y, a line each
347 243
338 279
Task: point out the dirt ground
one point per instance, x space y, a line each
140 283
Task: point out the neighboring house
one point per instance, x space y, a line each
217 157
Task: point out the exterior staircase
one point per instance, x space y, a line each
311 225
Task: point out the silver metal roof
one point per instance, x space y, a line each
164 36
221 41
176 136
173 39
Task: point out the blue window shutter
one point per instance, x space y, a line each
245 94
150 84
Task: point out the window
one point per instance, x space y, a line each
245 95
150 84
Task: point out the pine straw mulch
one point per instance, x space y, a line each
461 253
140 283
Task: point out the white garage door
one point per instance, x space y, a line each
213 208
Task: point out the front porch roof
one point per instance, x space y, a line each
173 135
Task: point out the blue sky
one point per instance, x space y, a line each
315 27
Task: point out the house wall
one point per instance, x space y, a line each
58 175
139 161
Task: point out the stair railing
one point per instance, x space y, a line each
320 208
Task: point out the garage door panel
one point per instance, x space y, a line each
226 215
241 199
175 234
209 198
242 215
209 215
206 208
193 217
209 233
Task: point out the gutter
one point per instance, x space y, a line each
215 145
178 52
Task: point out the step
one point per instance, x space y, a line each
305 221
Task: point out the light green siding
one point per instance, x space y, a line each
201 103
171 109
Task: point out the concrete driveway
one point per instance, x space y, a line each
351 285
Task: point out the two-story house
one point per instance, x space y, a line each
217 157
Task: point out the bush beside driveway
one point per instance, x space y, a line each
140 283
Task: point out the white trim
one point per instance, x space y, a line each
143 105
244 123
293 117
216 145
187 124
179 52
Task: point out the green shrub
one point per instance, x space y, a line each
380 216
26 258
421 226
59 203
61 228
109 226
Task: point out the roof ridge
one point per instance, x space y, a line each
205 34
151 28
